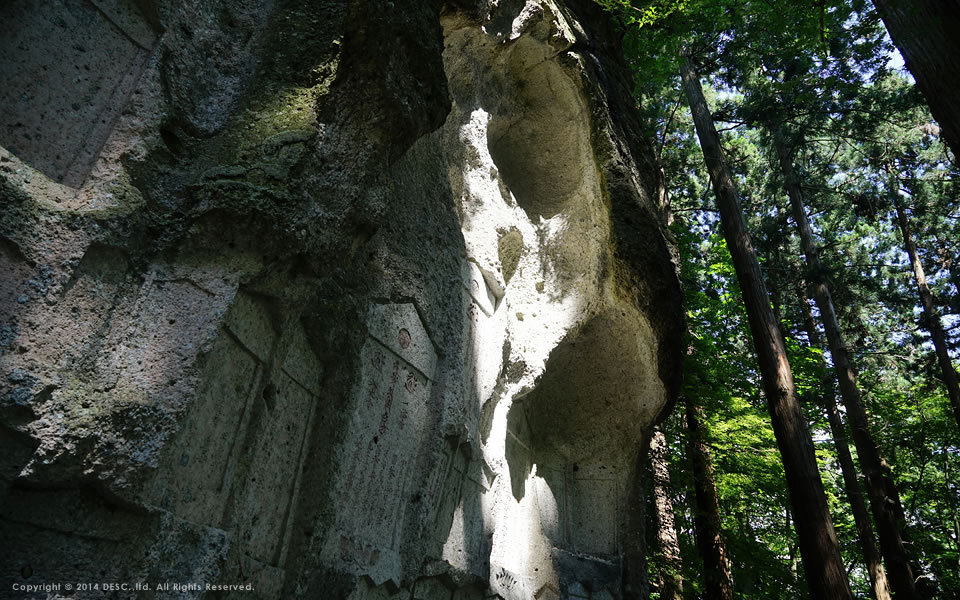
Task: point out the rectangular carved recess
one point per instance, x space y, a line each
68 68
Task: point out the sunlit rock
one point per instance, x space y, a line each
340 301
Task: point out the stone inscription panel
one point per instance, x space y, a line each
274 472
276 442
586 499
385 436
197 485
244 438
386 430
551 499
68 67
444 489
204 455
476 285
399 329
483 342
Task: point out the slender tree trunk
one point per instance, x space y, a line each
871 556
932 319
818 540
671 567
718 582
746 579
794 559
925 31
883 494
635 582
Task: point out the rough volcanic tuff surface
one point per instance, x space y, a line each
340 299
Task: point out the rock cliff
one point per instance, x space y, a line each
333 299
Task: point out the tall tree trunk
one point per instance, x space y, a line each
931 318
925 31
746 579
881 489
636 585
718 582
792 550
671 566
871 556
818 540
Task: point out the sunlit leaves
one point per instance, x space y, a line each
646 14
860 129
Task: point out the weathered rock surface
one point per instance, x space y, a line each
336 299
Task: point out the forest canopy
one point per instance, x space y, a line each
808 153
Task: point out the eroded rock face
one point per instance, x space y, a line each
357 300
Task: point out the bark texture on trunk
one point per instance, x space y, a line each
931 316
879 587
636 584
818 540
717 579
925 31
881 489
671 573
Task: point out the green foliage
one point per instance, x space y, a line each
820 70
720 371
651 13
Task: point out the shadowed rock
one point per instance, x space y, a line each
337 300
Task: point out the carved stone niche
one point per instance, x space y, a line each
245 438
68 68
431 588
378 477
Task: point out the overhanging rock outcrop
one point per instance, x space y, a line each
334 300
